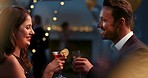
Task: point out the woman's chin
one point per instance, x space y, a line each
28 44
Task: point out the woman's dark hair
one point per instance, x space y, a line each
121 8
11 18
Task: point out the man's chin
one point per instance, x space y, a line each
104 38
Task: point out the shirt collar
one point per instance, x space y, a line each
120 44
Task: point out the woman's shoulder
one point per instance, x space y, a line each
11 61
12 65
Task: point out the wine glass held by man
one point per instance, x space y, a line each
17 29
76 54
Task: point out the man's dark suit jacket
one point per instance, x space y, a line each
131 63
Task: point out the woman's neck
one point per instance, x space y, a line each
17 51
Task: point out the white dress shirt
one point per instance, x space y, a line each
120 44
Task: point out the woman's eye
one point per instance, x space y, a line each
27 27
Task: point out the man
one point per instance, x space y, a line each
130 58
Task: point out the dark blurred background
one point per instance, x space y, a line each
72 24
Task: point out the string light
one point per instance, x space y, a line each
44 39
56 28
72 28
46 34
33 50
54 18
35 1
29 10
62 3
31 6
55 11
48 28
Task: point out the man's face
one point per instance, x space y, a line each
107 25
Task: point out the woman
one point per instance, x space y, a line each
17 32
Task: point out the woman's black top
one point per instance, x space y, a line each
26 71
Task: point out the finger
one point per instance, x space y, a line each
58 69
78 68
61 67
60 64
61 61
80 59
78 63
63 58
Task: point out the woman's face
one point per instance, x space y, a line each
24 33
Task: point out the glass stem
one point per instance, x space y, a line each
80 75
60 74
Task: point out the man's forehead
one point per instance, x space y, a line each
105 10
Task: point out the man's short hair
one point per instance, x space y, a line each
121 8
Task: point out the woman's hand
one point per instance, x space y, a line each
55 66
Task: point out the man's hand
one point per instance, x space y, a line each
82 65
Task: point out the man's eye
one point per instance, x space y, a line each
104 20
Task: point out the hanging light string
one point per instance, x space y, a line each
55 18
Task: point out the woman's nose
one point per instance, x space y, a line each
32 32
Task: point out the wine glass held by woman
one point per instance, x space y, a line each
55 66
61 55
17 32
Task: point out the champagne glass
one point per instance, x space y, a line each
58 55
76 54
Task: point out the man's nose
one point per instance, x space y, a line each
99 24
